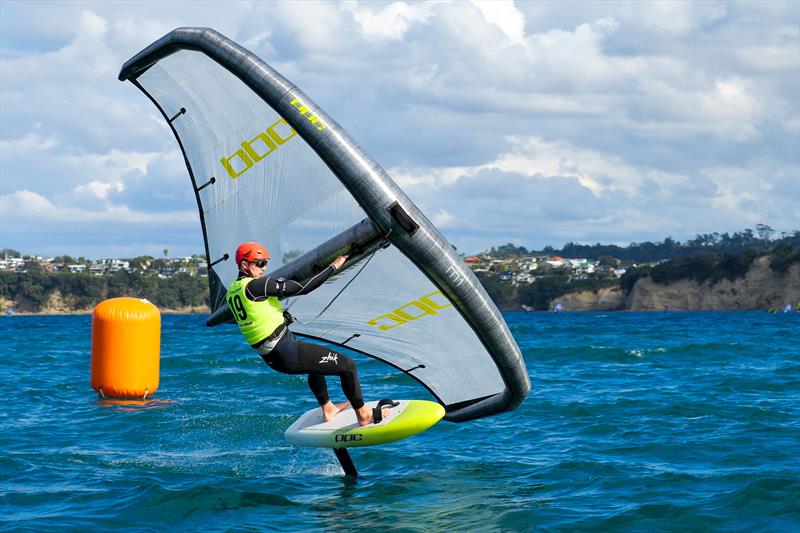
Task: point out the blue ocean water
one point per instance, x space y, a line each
636 422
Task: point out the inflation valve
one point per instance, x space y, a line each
402 218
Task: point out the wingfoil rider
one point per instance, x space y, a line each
255 302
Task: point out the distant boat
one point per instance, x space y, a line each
527 307
788 308
10 311
557 308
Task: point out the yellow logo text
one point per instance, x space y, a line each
314 119
257 148
428 305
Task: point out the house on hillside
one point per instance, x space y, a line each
115 265
581 266
505 276
166 271
524 278
529 263
12 264
98 268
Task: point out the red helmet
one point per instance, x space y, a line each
250 251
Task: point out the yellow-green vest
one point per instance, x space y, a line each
256 320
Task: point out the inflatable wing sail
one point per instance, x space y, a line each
268 165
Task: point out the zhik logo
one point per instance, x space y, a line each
330 358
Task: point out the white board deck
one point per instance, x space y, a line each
404 420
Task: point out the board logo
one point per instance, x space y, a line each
257 148
303 109
428 305
351 437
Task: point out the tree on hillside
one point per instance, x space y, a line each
140 263
765 233
784 256
502 294
607 260
508 250
119 284
538 295
32 265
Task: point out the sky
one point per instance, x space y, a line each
530 123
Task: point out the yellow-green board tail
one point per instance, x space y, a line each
408 418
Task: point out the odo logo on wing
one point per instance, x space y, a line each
257 148
310 116
429 305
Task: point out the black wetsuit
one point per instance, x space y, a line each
292 356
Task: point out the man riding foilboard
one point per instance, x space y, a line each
255 302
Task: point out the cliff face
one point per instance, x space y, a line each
57 304
761 288
608 299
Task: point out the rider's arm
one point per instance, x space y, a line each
259 289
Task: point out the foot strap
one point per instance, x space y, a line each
377 411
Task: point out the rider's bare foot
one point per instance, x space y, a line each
365 417
330 410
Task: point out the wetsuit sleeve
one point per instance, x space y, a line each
262 288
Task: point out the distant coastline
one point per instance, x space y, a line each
205 310
712 272
760 287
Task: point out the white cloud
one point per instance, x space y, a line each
505 15
86 57
534 156
577 194
390 23
443 219
25 203
772 57
28 207
758 192
92 25
30 143
307 28
46 165
676 18
100 189
658 117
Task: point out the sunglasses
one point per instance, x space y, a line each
261 263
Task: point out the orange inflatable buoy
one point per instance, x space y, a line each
126 346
